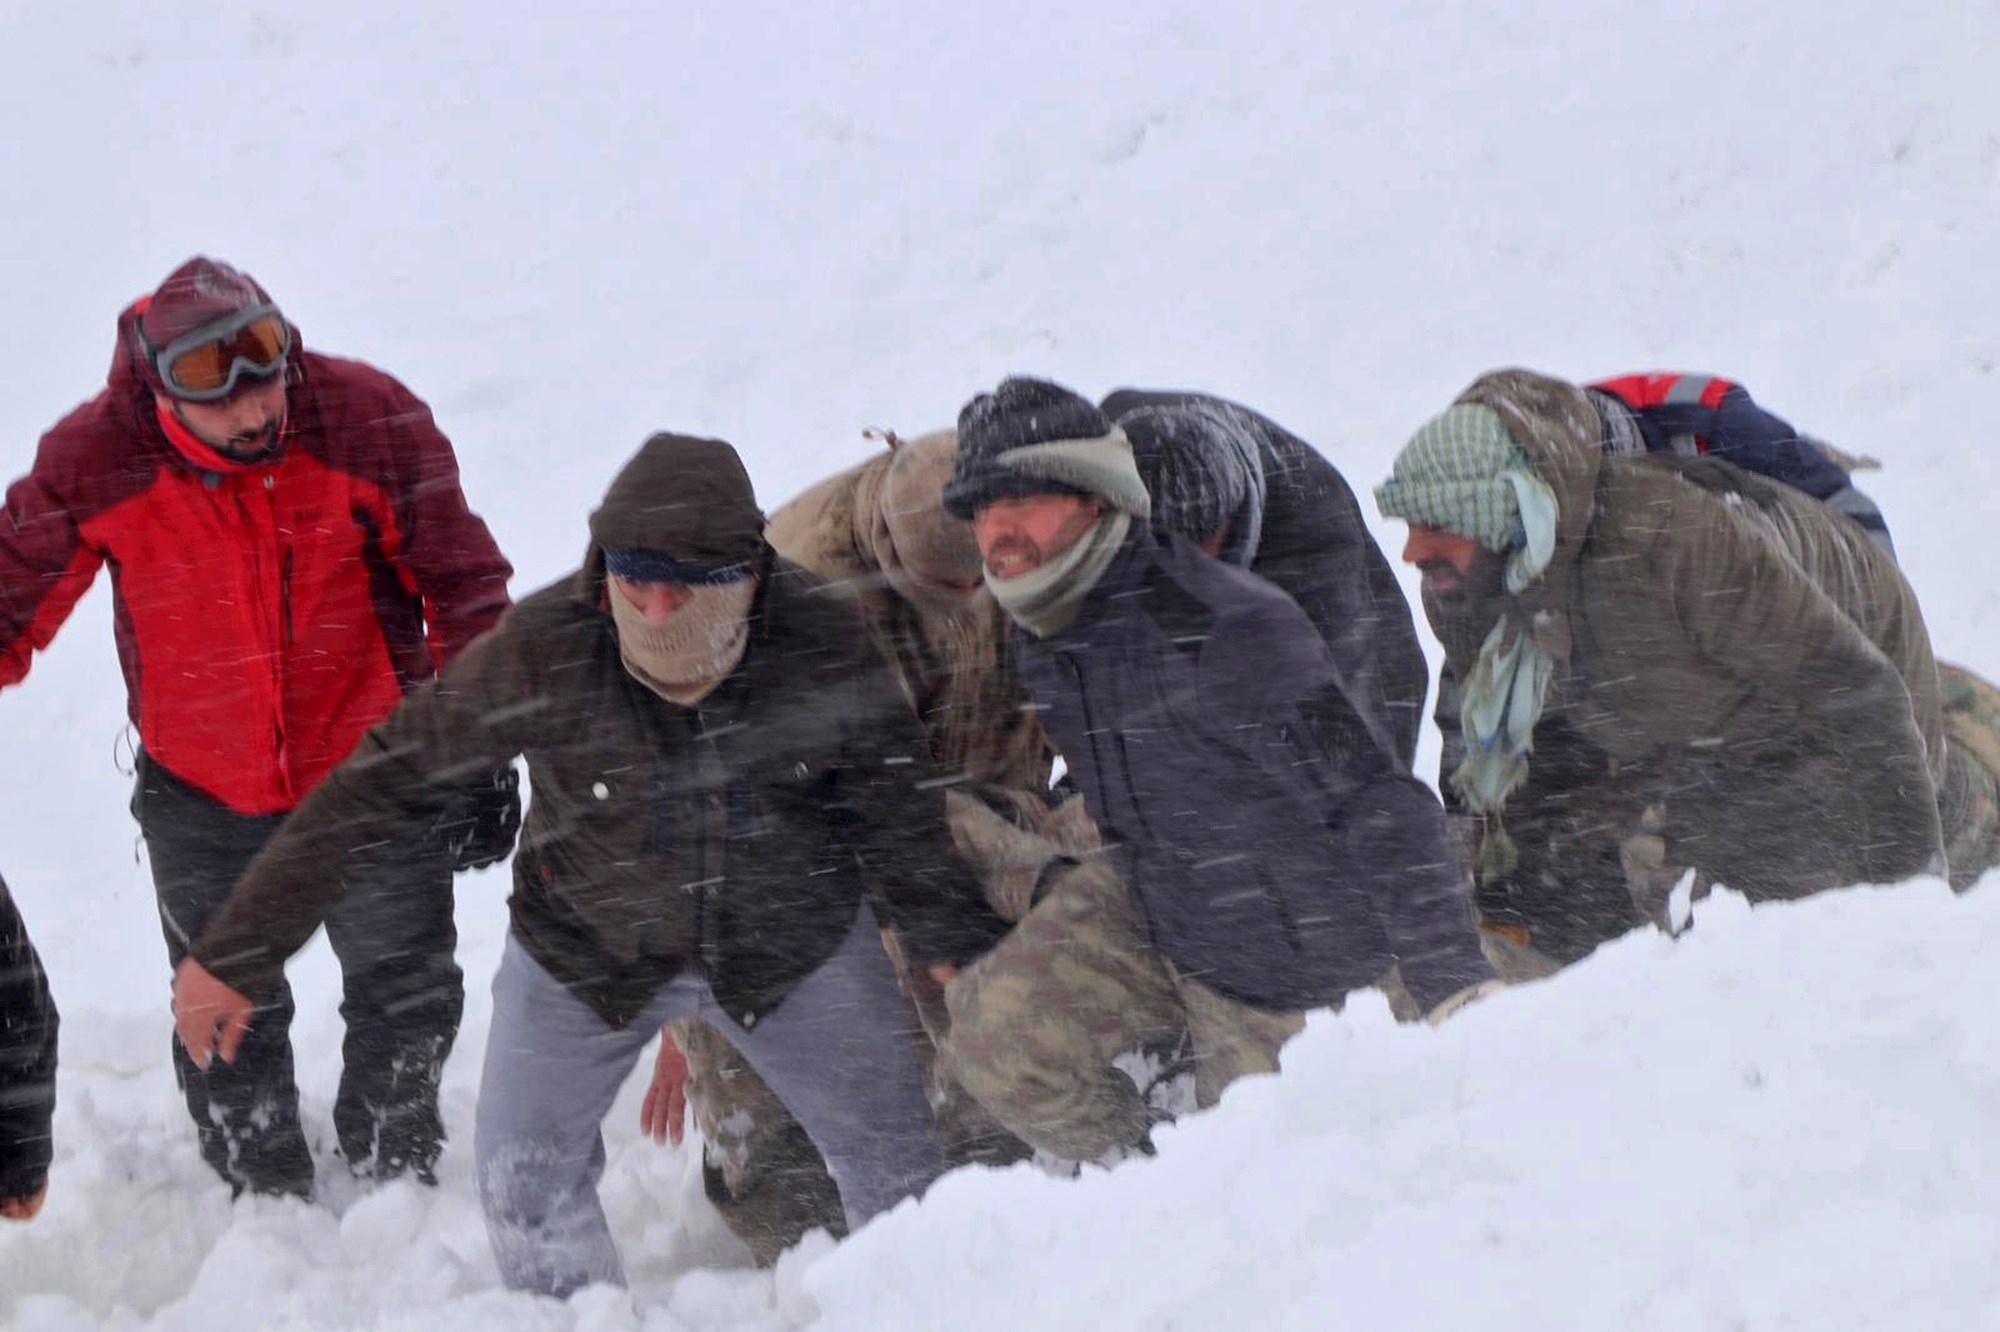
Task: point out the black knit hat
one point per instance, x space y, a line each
1024 414
1204 471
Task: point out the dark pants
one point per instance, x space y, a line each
402 995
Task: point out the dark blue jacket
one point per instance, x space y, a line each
27 1059
1702 414
1276 852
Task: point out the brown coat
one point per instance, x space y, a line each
1754 671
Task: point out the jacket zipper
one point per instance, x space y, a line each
1097 749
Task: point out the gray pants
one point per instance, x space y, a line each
837 1052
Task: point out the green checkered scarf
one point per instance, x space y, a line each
1462 472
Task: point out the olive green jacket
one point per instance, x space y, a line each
1753 670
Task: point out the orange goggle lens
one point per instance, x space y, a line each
259 345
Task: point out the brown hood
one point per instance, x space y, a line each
684 497
1556 426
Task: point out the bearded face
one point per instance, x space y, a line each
1464 599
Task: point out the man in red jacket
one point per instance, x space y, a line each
290 551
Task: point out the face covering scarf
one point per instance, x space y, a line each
1045 601
684 659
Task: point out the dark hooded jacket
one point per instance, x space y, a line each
739 834
1276 851
1728 655
1316 547
27 1059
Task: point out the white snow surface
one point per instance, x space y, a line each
568 225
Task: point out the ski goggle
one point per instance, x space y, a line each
205 365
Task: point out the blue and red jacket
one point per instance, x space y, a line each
1676 412
266 613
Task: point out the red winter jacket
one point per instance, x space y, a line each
267 613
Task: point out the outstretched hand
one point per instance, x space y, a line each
663 1115
209 1017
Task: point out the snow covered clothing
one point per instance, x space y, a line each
401 998
1735 674
1030 436
835 1052
268 613
28 1024
1315 546
1276 851
1205 472
1695 414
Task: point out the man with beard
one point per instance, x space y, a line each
1666 665
725 777
1269 853
289 551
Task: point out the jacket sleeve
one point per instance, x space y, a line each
27 1059
448 552
1836 790
472 719
896 809
1389 836
45 563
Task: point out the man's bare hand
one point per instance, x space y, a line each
23 1209
209 1017
944 973
663 1116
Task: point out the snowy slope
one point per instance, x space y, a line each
781 223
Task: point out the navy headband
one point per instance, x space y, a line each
639 565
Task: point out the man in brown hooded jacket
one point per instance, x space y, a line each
880 530
1667 665
725 777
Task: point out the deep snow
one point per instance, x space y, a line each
566 227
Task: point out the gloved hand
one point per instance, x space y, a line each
477 828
